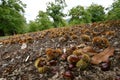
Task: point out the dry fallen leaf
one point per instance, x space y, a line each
102 56
89 50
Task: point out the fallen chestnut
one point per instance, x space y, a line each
72 58
71 66
64 57
52 62
68 75
117 77
105 66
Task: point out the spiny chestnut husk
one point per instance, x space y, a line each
51 53
58 51
85 37
109 33
43 69
74 36
81 64
40 62
69 51
100 42
78 52
86 58
73 48
72 58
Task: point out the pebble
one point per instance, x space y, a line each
3 79
24 45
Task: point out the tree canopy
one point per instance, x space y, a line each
11 17
54 10
12 20
114 11
41 22
97 12
79 15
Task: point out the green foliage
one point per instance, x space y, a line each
11 19
79 15
14 4
54 10
97 12
33 26
114 11
42 22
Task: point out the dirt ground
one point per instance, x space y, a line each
19 53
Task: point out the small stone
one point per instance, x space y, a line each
1 45
27 58
24 45
3 79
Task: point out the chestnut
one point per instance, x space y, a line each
105 66
72 58
117 77
64 57
68 75
71 66
52 63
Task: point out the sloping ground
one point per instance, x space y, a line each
96 45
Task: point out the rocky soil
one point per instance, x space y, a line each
45 55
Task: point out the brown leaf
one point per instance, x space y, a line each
103 56
89 50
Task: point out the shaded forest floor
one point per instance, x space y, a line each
18 53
